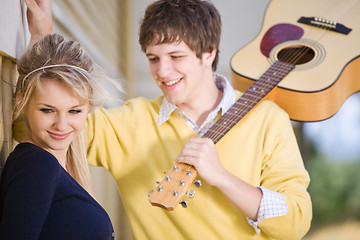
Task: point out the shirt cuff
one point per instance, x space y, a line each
272 204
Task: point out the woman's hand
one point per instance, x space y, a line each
39 18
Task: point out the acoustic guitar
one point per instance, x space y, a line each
322 39
301 57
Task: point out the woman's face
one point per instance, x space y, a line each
55 116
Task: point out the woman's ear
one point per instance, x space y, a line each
90 107
18 100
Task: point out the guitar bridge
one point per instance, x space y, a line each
325 24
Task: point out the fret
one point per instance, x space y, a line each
249 99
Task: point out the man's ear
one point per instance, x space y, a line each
209 57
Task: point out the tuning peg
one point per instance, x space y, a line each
184 204
197 183
182 182
160 188
175 168
190 193
149 193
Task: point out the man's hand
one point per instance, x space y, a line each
202 154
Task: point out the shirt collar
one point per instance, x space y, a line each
226 102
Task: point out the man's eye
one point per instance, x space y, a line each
75 111
176 57
153 59
46 110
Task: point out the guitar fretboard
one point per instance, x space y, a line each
249 99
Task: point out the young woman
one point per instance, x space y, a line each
45 189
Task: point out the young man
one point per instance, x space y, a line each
254 181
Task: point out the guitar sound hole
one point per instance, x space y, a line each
296 55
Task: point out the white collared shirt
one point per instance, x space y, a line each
226 102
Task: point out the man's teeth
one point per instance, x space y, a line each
171 82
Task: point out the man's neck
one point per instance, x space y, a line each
199 110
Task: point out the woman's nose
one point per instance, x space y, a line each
61 122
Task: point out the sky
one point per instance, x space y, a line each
339 136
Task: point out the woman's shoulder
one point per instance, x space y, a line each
29 156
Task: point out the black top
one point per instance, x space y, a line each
40 200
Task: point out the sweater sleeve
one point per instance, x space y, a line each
284 172
29 184
112 135
105 129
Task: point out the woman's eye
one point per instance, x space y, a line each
74 111
46 110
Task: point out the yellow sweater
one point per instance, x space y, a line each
261 150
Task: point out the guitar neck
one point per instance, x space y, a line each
255 93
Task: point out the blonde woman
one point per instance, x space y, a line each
45 190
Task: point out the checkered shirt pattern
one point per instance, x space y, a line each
272 204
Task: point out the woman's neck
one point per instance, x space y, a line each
59 155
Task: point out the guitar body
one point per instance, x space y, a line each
317 87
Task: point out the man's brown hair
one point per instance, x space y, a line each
195 22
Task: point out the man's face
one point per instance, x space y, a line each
180 75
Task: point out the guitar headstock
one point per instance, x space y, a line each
173 187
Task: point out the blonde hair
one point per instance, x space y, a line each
67 62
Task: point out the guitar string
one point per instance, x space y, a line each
325 29
254 97
336 8
293 56
255 94
341 9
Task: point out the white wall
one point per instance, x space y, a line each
13 35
